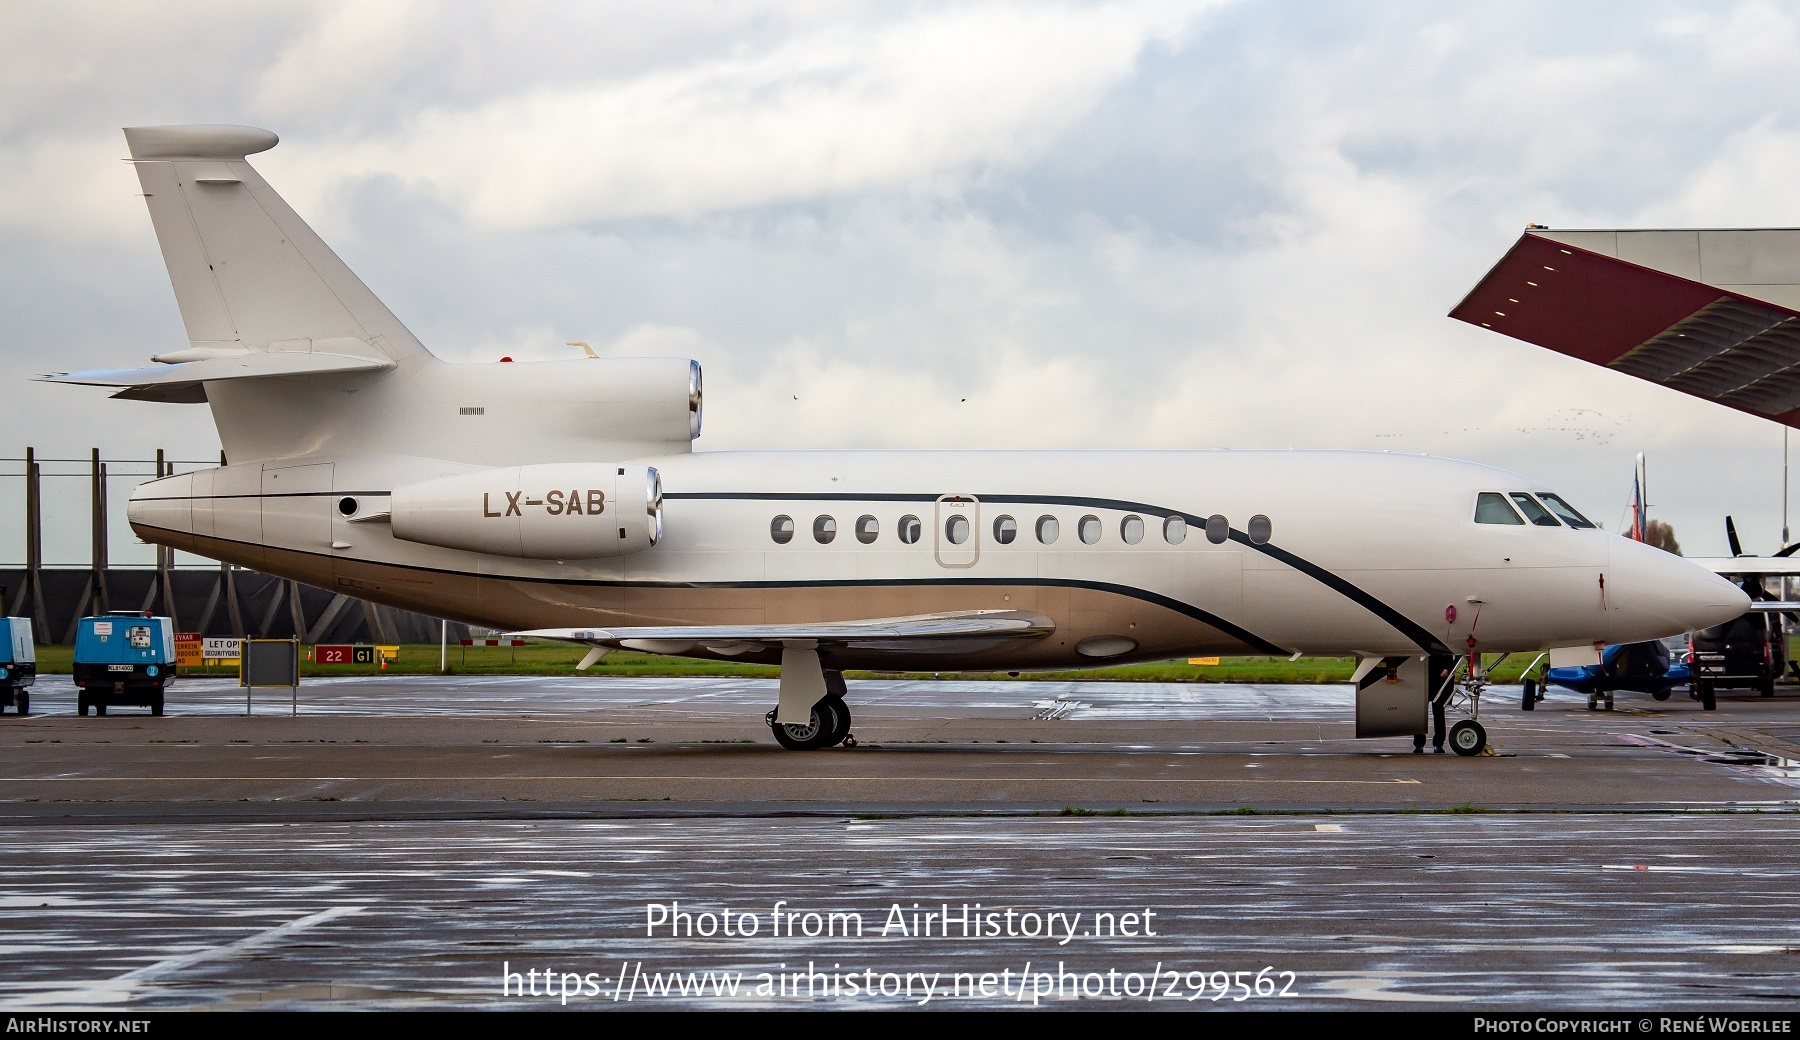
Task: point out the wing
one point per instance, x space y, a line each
1751 566
968 631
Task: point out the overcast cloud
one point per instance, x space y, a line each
962 224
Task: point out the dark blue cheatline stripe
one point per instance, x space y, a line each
1404 625
1400 622
1243 635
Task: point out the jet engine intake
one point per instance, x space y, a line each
559 511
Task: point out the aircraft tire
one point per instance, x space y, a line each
841 729
1467 738
1659 695
813 735
1528 700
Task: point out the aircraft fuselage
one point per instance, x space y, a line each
1324 552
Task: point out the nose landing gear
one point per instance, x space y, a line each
1462 692
1468 737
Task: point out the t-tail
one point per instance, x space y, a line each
297 357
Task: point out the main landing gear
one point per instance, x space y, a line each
828 719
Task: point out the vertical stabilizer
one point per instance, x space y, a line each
249 274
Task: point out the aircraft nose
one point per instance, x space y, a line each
1656 589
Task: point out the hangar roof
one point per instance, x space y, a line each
1712 313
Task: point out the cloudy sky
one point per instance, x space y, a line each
967 224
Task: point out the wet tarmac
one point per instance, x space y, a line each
405 842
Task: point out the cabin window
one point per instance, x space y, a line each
909 529
1132 529
1005 530
1259 529
1048 529
1217 529
782 529
867 529
824 529
1491 508
1175 530
1564 510
1088 529
956 530
1535 513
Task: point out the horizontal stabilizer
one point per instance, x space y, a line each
924 632
182 382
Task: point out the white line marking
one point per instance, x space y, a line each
122 987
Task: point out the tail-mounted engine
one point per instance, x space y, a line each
560 511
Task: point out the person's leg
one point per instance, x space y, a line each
1437 724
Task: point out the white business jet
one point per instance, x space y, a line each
564 499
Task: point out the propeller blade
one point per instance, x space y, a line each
1737 548
1789 551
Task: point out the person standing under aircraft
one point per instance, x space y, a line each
1441 669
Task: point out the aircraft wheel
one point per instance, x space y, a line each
841 712
1467 738
1660 695
814 735
1528 700
1708 702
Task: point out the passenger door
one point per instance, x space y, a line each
957 532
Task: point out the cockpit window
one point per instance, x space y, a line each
1491 508
1564 510
1535 513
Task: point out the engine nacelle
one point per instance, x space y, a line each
559 511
